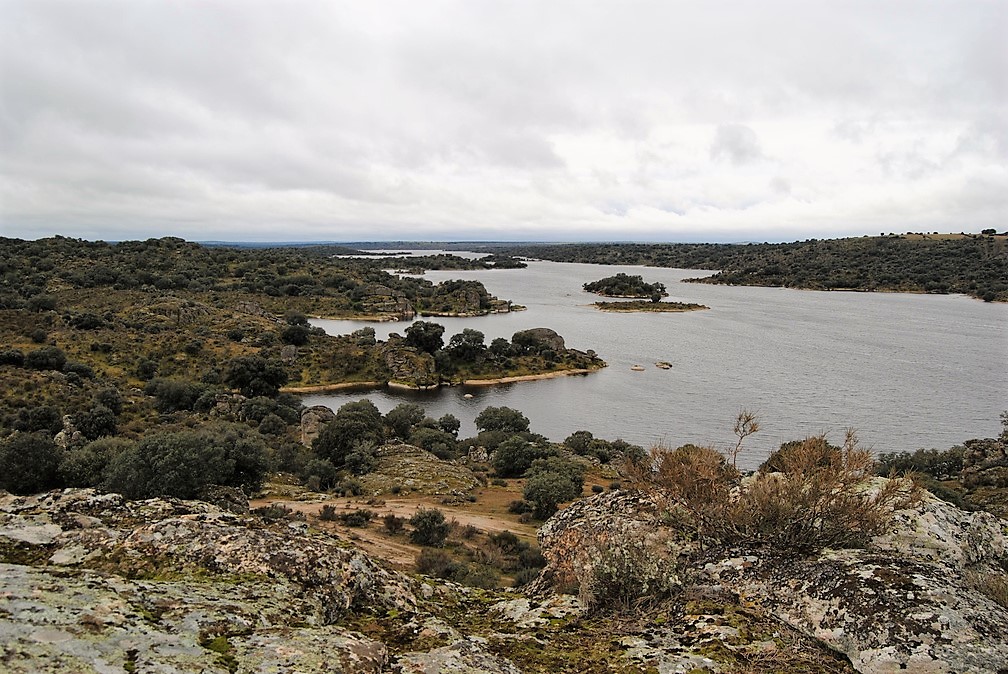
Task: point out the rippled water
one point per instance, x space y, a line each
906 371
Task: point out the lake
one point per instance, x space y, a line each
906 371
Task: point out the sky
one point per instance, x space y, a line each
720 120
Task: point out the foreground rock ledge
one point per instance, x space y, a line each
905 603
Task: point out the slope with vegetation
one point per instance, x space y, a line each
971 264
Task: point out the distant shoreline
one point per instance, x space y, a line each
527 377
363 385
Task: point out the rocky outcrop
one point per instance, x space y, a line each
382 300
93 583
911 601
539 339
313 420
69 436
407 366
416 470
985 463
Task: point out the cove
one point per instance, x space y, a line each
905 370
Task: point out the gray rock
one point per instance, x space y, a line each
462 657
313 420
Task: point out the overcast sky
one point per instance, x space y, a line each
470 120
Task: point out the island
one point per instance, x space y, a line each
653 307
625 285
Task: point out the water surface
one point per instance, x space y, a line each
905 370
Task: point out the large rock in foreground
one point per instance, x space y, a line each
93 583
911 601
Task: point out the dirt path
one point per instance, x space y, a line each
489 515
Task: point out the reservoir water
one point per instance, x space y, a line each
905 371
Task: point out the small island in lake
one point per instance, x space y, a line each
625 285
656 307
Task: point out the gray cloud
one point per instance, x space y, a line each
736 143
258 119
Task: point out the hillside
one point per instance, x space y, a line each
975 265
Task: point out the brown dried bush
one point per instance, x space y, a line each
809 495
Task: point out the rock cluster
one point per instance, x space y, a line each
417 470
102 584
913 600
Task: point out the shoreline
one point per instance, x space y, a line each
323 388
527 377
399 386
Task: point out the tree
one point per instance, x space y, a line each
29 463
514 456
355 422
449 423
425 336
402 418
429 528
503 419
255 376
545 491
467 346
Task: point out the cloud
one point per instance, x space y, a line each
736 143
307 120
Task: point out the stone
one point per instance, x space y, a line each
313 419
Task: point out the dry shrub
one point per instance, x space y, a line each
809 495
993 584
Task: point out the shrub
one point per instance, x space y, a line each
12 357
350 487
597 489
775 509
182 464
393 523
355 518
941 465
436 563
327 513
429 528
39 418
519 507
46 358
85 466
96 423
29 463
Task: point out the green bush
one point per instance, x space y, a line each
941 465
29 463
429 528
46 358
184 463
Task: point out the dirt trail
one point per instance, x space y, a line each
488 515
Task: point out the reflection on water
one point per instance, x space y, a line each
906 371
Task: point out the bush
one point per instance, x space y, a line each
393 523
429 528
172 395
29 463
255 376
941 465
46 358
98 422
774 509
436 563
355 423
12 357
514 456
355 518
85 466
597 489
182 464
39 418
